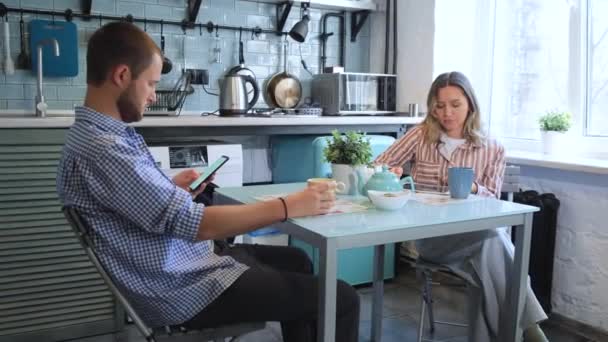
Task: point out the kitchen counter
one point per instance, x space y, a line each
64 121
196 127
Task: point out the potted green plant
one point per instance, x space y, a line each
349 155
553 125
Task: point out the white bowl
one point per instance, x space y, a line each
389 200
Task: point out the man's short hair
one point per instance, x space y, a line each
118 43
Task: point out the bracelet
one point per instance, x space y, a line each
284 208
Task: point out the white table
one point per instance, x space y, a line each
329 233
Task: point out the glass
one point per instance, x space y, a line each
597 87
217 48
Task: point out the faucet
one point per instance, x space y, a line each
41 106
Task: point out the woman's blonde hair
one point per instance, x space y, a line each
472 126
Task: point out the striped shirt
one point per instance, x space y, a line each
430 165
143 226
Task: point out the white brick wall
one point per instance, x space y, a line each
580 279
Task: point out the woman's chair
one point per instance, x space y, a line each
425 269
153 334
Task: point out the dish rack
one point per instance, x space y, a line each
169 100
172 100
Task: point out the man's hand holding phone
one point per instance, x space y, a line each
206 177
186 177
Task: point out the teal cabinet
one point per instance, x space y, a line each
49 290
355 265
299 157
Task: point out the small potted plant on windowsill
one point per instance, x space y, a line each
350 155
553 125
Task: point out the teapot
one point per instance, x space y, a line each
386 181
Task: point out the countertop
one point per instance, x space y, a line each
64 120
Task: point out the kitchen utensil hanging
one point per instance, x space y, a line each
241 69
23 59
167 64
9 65
217 47
283 90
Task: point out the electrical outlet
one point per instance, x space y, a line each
199 76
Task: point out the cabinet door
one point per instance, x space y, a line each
49 290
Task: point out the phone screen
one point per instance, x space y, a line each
208 172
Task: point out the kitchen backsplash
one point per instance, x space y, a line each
193 49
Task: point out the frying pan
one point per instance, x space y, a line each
282 89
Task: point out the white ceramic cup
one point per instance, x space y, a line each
333 184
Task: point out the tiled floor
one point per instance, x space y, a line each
400 312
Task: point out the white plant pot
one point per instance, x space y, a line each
349 175
553 142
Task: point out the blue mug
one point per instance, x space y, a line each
460 180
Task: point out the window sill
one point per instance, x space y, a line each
566 162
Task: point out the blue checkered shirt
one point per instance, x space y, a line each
144 227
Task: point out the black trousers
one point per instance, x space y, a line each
279 286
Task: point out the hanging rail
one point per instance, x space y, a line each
68 14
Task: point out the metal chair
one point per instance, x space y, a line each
153 334
425 269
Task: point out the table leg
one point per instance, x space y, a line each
378 293
327 291
519 281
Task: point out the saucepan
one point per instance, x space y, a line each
283 90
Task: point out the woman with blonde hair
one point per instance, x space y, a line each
451 136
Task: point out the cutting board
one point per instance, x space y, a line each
66 35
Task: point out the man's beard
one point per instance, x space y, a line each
129 111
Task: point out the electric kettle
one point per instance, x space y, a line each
233 94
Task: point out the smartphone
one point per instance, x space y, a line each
208 172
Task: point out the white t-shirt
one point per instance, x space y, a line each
449 145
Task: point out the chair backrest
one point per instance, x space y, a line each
510 183
82 232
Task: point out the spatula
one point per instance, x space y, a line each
23 59
9 66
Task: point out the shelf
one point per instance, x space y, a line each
344 5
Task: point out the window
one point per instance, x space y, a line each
543 55
597 97
531 60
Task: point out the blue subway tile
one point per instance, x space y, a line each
174 3
43 4
31 90
256 46
136 9
11 91
223 4
259 21
20 104
159 12
71 92
247 7
103 6
62 5
67 105
12 3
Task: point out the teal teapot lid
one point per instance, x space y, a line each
384 180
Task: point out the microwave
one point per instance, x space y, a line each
350 93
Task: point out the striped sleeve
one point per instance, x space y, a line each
491 181
401 150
